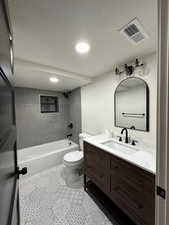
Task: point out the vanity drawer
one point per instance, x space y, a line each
132 201
95 157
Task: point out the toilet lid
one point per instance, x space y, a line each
73 156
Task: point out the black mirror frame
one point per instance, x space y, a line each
147 105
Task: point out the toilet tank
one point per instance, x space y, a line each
82 137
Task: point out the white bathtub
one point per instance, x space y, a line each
41 157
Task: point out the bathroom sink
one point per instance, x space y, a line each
119 147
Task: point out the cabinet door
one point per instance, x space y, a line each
96 166
96 157
98 176
133 202
133 190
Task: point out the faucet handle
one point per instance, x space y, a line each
120 138
134 142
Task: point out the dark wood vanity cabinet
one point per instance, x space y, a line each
130 187
96 166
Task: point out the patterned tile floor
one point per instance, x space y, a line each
47 200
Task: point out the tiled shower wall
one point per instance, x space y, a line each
75 113
33 127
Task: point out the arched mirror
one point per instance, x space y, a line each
132 104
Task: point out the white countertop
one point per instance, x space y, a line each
142 156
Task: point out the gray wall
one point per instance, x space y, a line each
33 127
75 113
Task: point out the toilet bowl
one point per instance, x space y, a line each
73 162
73 159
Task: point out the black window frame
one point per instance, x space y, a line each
48 98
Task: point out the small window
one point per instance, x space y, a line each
49 104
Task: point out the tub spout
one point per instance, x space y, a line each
69 135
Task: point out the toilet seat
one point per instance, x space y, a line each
73 158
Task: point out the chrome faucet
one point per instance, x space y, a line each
126 137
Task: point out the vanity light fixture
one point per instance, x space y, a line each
139 68
128 70
136 68
82 47
54 79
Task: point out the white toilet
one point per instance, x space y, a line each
73 161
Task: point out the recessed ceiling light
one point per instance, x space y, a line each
82 47
54 79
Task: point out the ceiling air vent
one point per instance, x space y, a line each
134 32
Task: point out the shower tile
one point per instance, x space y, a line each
34 127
